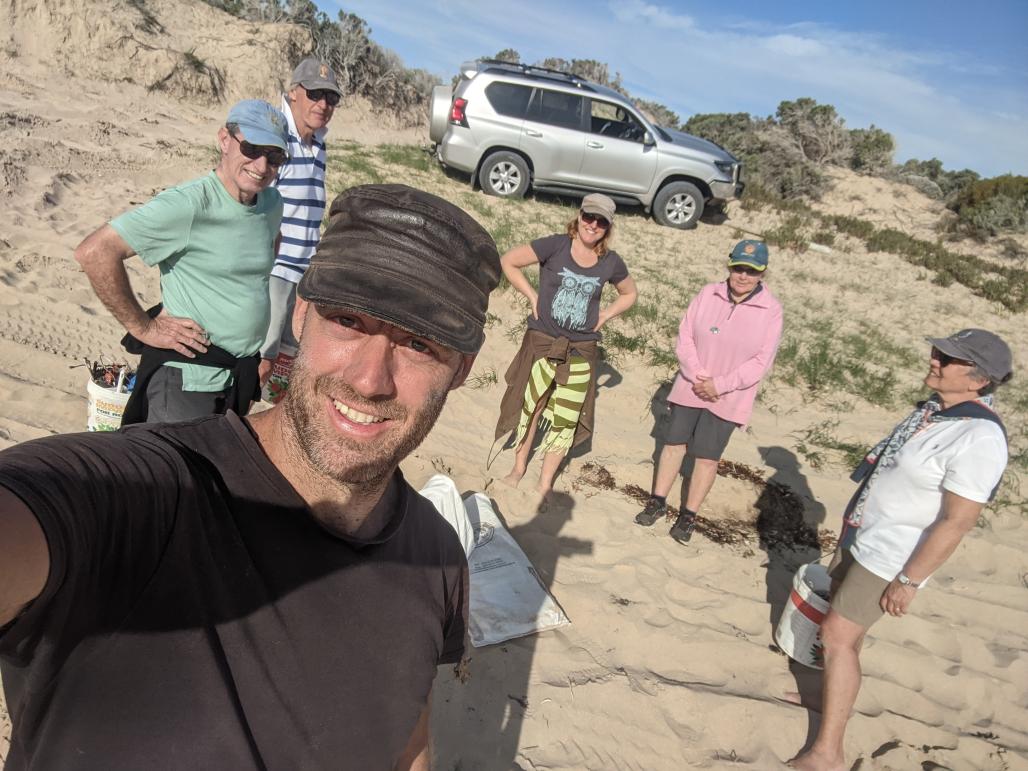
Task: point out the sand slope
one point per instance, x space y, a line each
669 661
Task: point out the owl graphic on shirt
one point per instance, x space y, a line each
570 307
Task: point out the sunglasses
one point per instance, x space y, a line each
595 219
745 269
945 359
276 155
317 94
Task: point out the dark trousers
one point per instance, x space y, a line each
168 403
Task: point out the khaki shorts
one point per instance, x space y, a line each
856 591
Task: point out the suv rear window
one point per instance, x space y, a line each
556 108
510 99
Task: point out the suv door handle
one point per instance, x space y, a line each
593 143
533 133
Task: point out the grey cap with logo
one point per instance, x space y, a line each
987 350
315 74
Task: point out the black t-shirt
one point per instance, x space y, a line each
569 295
196 615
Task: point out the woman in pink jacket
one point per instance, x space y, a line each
726 344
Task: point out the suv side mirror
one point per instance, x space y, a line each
648 139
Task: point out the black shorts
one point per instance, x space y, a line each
704 432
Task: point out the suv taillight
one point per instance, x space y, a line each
457 115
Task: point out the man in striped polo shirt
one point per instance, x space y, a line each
308 106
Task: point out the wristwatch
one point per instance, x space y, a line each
904 579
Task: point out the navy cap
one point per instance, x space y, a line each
749 252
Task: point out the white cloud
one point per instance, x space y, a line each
636 10
794 46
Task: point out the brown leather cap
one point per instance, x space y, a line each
408 258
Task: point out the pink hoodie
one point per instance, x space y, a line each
733 343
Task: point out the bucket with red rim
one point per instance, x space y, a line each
799 630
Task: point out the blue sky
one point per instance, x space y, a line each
947 79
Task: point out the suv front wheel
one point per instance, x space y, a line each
678 205
504 174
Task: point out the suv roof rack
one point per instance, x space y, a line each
532 70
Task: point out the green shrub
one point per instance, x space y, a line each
872 150
993 206
363 67
788 234
851 226
817 129
948 183
823 237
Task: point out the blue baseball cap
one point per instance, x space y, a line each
749 252
260 123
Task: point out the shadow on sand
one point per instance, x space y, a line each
788 518
477 724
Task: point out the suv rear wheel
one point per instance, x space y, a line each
678 205
504 174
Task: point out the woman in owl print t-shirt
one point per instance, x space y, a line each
553 375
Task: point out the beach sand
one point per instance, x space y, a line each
669 661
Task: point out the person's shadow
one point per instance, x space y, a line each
660 411
788 518
478 725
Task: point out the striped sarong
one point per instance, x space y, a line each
560 415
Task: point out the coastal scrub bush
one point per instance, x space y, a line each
948 183
788 234
989 207
872 150
817 130
364 68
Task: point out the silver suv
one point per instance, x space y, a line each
514 127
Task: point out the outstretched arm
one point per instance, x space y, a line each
102 256
417 755
24 556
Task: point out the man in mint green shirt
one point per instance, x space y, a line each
214 241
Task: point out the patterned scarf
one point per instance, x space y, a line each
884 453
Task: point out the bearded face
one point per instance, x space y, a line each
347 430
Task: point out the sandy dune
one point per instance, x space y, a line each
669 661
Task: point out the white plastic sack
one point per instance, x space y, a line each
445 496
507 597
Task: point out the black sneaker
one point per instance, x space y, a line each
681 531
654 510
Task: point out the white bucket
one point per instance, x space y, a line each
799 630
106 406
